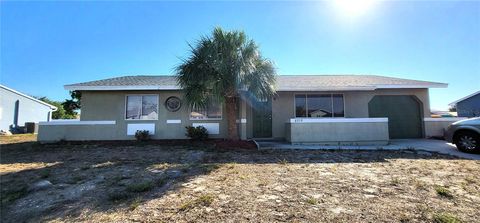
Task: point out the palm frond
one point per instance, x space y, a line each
222 65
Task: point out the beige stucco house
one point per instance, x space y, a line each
325 109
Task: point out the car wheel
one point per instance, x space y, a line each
467 142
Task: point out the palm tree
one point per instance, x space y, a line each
220 67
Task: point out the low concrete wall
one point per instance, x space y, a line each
435 127
77 131
338 131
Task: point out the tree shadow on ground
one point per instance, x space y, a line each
104 177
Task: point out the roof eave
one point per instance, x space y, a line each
119 88
361 88
174 87
401 86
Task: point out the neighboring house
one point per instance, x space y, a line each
468 106
326 109
17 108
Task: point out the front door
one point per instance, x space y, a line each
262 119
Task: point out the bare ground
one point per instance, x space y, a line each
155 183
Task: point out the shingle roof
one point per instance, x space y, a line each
284 83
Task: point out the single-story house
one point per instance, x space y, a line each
17 108
468 106
323 109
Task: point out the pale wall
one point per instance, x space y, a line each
356 105
28 110
338 133
110 105
435 127
53 133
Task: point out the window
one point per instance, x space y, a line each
213 110
143 107
319 105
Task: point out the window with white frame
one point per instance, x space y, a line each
142 107
319 105
213 110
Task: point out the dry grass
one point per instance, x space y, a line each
17 138
155 183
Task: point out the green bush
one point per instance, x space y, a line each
142 135
197 133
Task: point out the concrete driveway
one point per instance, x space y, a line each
430 145
433 145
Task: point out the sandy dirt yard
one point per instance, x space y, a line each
151 182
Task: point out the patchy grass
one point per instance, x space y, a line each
446 218
312 201
76 179
395 181
470 180
210 167
13 194
140 187
204 200
117 196
443 191
45 173
283 161
123 182
18 138
135 203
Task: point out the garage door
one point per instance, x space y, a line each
403 113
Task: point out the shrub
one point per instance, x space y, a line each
142 135
197 133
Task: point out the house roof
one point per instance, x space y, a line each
464 98
29 97
284 83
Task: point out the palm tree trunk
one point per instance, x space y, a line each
232 118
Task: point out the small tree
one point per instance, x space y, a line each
71 105
452 108
222 65
60 113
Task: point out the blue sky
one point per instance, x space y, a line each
45 45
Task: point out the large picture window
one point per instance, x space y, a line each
143 107
319 105
213 110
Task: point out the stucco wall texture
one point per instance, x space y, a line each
356 106
110 105
358 133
